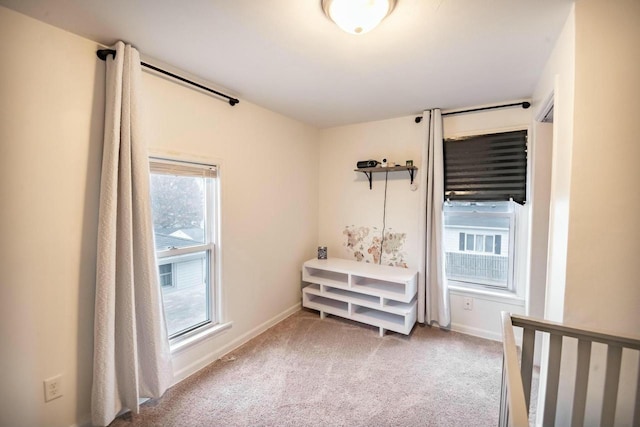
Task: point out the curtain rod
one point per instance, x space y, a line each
524 105
103 53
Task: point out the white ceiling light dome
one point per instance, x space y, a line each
357 16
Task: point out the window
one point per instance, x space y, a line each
183 199
478 243
485 181
166 275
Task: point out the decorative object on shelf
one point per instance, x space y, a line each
409 163
370 171
374 294
367 164
384 163
322 252
357 16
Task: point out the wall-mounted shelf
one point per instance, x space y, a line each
370 171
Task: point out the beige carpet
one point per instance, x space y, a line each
333 372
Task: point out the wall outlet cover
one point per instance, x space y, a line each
53 388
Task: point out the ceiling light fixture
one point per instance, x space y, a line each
357 16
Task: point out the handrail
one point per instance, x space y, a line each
517 415
603 337
517 374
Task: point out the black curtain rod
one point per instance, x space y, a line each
103 53
524 105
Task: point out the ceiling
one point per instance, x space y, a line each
287 56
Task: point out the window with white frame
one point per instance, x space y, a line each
485 176
478 243
183 198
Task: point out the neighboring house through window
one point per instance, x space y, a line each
184 203
478 238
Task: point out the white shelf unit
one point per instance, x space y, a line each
377 295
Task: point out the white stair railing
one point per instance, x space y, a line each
518 372
514 410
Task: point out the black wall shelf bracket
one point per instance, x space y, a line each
369 176
368 172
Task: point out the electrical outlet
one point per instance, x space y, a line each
53 388
468 303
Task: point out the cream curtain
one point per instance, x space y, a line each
131 349
433 297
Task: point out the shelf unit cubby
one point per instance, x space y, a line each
377 295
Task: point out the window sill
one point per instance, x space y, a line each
199 337
490 295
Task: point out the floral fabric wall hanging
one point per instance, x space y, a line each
365 244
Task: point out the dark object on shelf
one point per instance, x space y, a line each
370 171
367 164
409 162
322 252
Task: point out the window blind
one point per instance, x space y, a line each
490 167
168 167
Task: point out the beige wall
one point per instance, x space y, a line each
269 175
557 81
52 119
593 273
51 123
345 198
603 285
592 73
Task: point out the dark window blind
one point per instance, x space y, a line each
489 167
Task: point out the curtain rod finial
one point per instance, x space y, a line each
103 53
418 119
526 105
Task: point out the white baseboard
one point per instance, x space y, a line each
476 332
197 365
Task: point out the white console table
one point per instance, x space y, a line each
377 295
